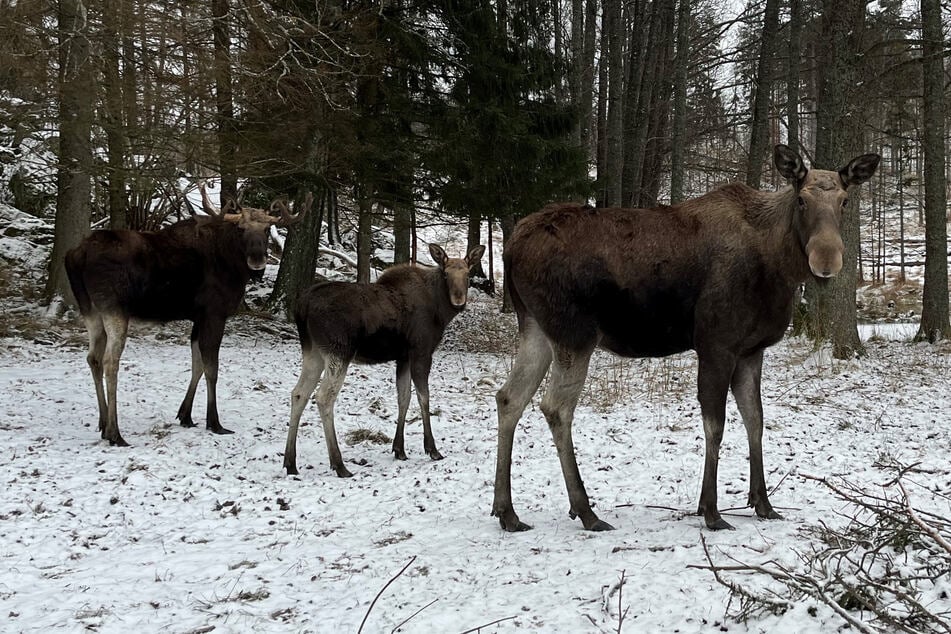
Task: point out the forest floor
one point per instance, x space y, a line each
187 531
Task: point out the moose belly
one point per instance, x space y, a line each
639 326
382 346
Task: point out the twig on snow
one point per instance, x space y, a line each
382 590
412 616
478 628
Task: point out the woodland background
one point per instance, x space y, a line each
402 112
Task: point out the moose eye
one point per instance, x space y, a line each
845 202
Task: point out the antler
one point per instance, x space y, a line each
287 218
228 213
206 203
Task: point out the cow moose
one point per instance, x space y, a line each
195 270
715 274
401 317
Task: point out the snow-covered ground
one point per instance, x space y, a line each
186 531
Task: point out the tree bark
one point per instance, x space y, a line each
364 237
74 185
831 309
614 158
679 132
402 232
224 101
507 222
474 239
111 89
792 75
934 311
759 127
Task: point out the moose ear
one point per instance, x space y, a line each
475 255
859 169
789 163
438 255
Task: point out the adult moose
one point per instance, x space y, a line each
401 317
715 274
195 269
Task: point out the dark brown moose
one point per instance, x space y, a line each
195 269
715 274
401 317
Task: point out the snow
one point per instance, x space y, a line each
187 531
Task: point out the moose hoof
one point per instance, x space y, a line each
291 469
719 524
118 441
342 472
600 525
186 422
769 514
435 455
510 523
218 429
399 454
517 526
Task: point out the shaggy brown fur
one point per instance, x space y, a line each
716 274
401 317
194 270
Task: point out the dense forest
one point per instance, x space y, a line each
475 111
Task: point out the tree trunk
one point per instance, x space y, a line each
402 232
474 239
601 123
831 310
364 237
585 111
792 75
655 144
639 123
679 133
576 70
507 222
76 85
111 90
614 159
759 132
934 310
224 101
299 260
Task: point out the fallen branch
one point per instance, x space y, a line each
382 590
479 627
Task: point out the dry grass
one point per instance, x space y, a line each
363 434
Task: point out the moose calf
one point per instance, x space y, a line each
401 317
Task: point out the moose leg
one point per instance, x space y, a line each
568 373
116 327
713 382
746 391
97 348
184 415
531 365
209 342
402 402
312 367
419 368
336 372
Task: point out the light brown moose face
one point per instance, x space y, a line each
255 225
822 202
822 197
456 271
